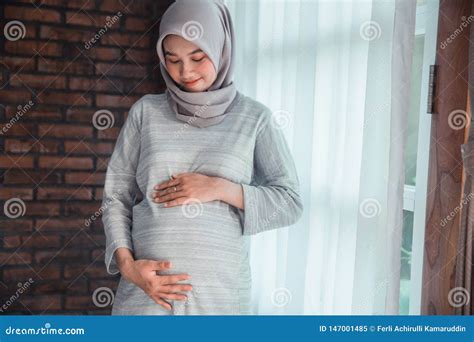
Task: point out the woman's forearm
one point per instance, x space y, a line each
124 258
230 193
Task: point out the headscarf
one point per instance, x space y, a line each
207 24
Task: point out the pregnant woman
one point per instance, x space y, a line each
213 169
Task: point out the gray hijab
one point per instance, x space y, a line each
207 24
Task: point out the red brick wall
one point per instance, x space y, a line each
53 158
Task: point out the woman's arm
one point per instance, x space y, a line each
230 192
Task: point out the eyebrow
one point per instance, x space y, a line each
191 53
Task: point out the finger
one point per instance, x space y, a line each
167 191
161 265
163 303
169 197
166 184
173 279
178 201
172 296
175 288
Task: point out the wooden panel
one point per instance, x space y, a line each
445 168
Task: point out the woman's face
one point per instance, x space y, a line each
187 64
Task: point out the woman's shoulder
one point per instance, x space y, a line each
150 100
258 110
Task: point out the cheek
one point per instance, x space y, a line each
173 70
207 70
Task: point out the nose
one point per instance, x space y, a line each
186 71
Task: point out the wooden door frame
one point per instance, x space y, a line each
445 175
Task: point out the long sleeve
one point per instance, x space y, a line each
272 199
120 189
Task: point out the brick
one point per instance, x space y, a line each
19 146
12 161
62 33
81 208
18 128
62 256
115 101
34 113
14 274
79 4
108 85
121 70
32 48
70 99
18 224
102 163
64 193
23 193
32 14
31 177
96 20
80 303
15 96
86 239
55 224
39 209
42 304
86 178
137 24
78 163
65 131
38 81
100 53
54 287
17 63
15 258
139 8
34 240
141 57
84 147
65 67
88 270
98 194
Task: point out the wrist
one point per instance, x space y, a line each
219 188
126 268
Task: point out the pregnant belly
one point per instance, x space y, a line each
204 240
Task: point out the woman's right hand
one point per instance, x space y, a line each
144 274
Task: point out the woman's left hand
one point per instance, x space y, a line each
186 187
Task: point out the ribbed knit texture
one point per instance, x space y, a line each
209 241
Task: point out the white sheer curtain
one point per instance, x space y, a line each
337 76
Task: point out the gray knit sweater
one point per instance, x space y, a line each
209 241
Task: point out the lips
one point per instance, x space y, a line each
192 82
